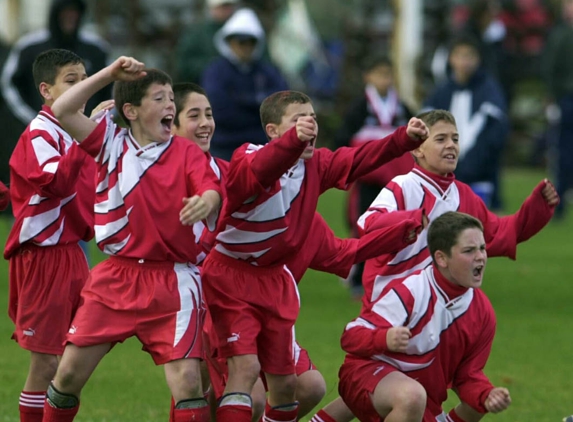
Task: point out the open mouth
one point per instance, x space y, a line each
478 271
167 122
203 137
450 157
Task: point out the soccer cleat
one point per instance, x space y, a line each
568 419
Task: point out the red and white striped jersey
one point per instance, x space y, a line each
51 187
407 195
452 332
272 194
139 193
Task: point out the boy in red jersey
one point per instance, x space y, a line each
322 251
52 185
150 287
431 187
272 193
427 332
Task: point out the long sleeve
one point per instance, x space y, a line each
360 338
254 168
470 382
502 234
52 173
345 165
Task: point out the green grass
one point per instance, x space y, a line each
532 353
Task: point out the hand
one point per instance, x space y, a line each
550 194
497 400
397 339
127 69
104 105
417 129
194 210
306 129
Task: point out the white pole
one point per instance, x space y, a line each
408 48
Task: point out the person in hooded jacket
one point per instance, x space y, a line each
476 100
63 32
238 81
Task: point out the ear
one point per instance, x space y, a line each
272 130
129 111
441 259
44 89
417 153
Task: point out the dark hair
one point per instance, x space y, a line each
181 91
132 92
445 230
372 62
465 40
430 118
274 106
47 65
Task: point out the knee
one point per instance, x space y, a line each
245 367
310 388
45 370
411 398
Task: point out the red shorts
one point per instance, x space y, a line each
358 379
45 286
253 309
159 302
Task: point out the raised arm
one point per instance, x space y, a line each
68 107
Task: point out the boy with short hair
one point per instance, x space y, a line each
51 188
322 251
272 193
431 188
426 333
150 286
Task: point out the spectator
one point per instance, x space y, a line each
558 72
196 49
376 113
63 32
238 81
475 99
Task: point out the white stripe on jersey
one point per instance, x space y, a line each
382 280
113 248
240 255
34 225
36 199
190 297
422 287
233 236
279 204
43 149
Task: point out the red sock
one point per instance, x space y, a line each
200 414
234 413
171 410
273 414
53 414
322 416
453 417
32 406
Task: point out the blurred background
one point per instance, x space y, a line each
319 46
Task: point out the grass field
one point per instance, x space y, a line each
532 353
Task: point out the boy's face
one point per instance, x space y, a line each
196 121
153 119
466 264
439 153
67 76
380 77
290 116
464 60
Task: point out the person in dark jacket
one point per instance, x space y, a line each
476 100
238 81
63 32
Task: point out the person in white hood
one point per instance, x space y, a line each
238 81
